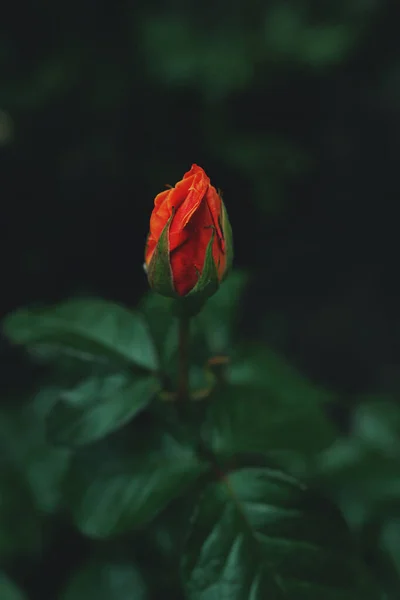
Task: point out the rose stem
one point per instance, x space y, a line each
183 367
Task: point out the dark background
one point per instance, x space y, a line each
291 107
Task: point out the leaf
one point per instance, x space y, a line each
292 38
98 406
20 524
106 581
360 478
390 542
258 365
258 534
120 484
40 465
31 473
158 314
243 418
85 326
361 472
376 422
217 318
8 589
327 45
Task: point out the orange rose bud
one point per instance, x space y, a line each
189 247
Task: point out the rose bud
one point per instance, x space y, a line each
189 247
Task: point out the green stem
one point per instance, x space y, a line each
183 366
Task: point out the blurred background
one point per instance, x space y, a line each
293 109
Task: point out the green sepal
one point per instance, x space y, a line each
227 233
205 287
159 272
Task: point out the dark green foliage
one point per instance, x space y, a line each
230 426
104 580
230 482
8 590
90 329
122 484
259 534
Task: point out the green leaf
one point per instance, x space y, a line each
40 466
291 37
361 472
106 581
258 534
390 543
20 523
217 318
31 473
87 327
243 418
376 422
8 589
358 477
258 365
157 311
124 482
98 406
326 45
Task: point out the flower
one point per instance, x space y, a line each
189 247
